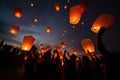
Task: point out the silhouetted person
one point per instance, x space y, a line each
29 69
45 69
113 58
86 73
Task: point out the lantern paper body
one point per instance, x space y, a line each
76 13
18 12
36 20
14 29
48 29
57 48
104 20
28 42
41 46
63 45
57 7
74 51
87 45
32 4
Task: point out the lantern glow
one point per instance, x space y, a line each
57 7
36 20
88 45
76 12
48 29
32 4
104 20
14 29
27 43
63 45
18 12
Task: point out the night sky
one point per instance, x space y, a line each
61 29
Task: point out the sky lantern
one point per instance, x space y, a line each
88 45
76 12
47 48
25 57
103 20
28 42
41 46
14 29
65 7
18 12
48 29
57 7
68 1
74 51
36 20
63 45
57 48
32 4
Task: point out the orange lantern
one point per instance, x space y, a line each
65 7
57 48
47 48
18 12
68 1
25 57
14 29
74 51
76 12
63 45
57 7
27 43
36 20
103 20
42 50
48 29
41 46
88 45
32 4
61 55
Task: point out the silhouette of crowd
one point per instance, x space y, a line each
52 66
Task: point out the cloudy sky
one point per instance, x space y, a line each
61 29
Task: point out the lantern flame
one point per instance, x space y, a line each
57 7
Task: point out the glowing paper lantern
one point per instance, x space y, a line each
18 12
25 57
32 4
57 48
48 29
27 43
63 45
14 29
47 48
76 12
57 7
88 45
41 46
74 51
103 20
36 20
65 7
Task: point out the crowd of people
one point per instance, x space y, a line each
53 66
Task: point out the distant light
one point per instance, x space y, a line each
65 7
33 25
57 7
36 20
18 12
48 29
32 4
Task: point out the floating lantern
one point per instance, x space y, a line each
36 20
27 43
103 20
32 4
65 7
76 12
63 45
14 29
88 45
48 29
41 46
74 51
25 57
57 7
57 48
18 12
